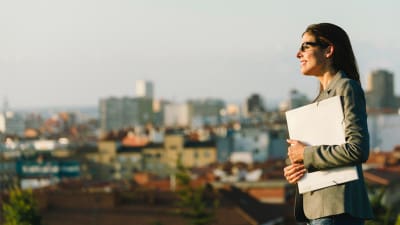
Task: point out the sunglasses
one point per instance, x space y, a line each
306 45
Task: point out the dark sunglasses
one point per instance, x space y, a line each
306 45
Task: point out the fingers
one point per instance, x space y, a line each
295 151
294 172
292 154
293 168
293 179
291 141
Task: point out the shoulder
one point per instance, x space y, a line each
346 86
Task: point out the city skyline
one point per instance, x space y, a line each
55 53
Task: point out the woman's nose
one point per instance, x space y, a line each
298 54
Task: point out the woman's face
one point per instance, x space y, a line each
312 56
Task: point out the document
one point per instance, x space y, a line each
320 123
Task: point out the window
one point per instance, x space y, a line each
172 147
134 159
122 159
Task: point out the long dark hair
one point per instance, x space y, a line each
343 56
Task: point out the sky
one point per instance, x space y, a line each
75 52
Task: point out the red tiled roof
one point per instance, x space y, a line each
383 159
383 176
136 212
259 212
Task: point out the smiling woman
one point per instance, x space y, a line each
326 54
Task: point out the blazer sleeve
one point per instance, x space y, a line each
356 148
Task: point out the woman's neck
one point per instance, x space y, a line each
326 78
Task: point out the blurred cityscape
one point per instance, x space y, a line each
121 163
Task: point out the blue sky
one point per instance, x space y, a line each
72 53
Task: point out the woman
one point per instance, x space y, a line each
326 53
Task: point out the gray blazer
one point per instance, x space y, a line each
350 197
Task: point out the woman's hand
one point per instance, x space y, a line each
294 172
295 151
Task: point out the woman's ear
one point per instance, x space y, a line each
329 51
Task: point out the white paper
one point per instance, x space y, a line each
320 123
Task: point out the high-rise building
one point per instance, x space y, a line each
254 105
206 111
110 111
159 109
34 121
144 88
12 123
177 115
380 91
384 131
296 99
195 113
119 113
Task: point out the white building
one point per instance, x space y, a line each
296 99
177 115
110 111
384 130
119 113
44 145
206 112
254 141
380 91
12 123
144 88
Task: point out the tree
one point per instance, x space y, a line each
191 199
384 215
21 208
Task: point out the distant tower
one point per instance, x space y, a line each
255 104
380 91
297 99
5 104
144 88
11 122
120 113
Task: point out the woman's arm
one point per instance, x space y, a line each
356 148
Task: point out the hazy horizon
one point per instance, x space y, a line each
73 53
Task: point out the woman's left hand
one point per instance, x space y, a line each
294 172
296 151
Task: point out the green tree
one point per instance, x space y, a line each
398 220
383 215
21 208
192 199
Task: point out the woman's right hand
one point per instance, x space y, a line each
294 172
